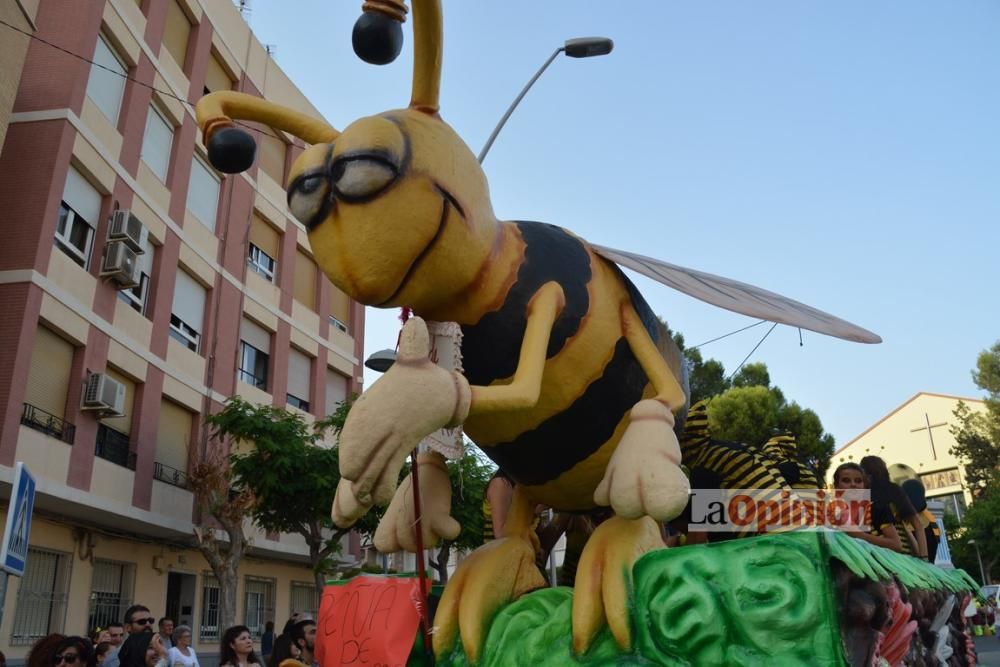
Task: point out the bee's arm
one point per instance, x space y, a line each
668 389
524 390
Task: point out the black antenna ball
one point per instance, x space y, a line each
231 150
377 38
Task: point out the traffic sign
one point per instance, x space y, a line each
14 551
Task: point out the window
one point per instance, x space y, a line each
340 309
271 150
259 606
48 377
136 296
78 216
299 379
305 280
336 390
104 87
216 78
255 349
305 599
110 592
156 143
209 607
188 311
264 244
42 597
203 193
262 263
173 435
176 33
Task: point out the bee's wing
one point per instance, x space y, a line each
739 297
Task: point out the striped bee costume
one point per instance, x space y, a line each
783 450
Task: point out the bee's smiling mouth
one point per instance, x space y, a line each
447 203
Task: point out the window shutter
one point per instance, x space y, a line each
189 301
105 88
264 236
336 390
305 280
48 378
176 33
82 197
203 193
299 372
173 436
340 305
256 335
216 78
271 154
156 143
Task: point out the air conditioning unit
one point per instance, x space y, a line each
126 228
121 264
104 395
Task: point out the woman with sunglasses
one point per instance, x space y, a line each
73 652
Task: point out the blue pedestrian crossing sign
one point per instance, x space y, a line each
14 551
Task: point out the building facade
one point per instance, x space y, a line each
918 434
140 290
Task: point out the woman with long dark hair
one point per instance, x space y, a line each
236 649
882 532
285 653
143 649
890 495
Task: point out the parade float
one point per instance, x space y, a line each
572 386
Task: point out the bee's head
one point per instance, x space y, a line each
396 206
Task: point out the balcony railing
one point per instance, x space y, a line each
165 473
250 378
47 423
113 446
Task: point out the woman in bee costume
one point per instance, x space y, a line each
570 384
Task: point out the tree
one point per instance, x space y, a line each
980 532
468 476
291 474
216 500
977 434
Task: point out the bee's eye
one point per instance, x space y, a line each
307 198
361 177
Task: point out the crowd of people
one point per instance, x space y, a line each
135 643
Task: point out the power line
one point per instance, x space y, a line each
752 351
124 76
751 326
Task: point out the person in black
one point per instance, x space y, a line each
888 494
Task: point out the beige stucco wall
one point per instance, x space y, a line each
901 437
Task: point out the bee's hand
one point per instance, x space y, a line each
396 529
413 399
643 477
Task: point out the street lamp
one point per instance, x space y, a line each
580 47
381 361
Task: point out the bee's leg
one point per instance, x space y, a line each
604 577
523 391
488 578
643 477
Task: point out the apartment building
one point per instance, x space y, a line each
140 289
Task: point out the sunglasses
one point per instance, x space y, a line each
144 621
68 658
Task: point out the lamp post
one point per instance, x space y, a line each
979 557
580 47
381 361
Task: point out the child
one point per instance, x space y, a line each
882 532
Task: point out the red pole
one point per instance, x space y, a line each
421 571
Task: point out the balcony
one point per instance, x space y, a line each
169 475
113 446
47 423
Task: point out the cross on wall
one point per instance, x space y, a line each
928 426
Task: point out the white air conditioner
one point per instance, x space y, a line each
126 228
104 395
121 264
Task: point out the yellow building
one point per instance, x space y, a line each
139 290
918 434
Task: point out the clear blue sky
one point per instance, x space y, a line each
844 154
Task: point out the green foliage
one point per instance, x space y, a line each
469 476
752 417
744 414
977 434
980 524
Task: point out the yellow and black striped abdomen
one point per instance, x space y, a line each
559 448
